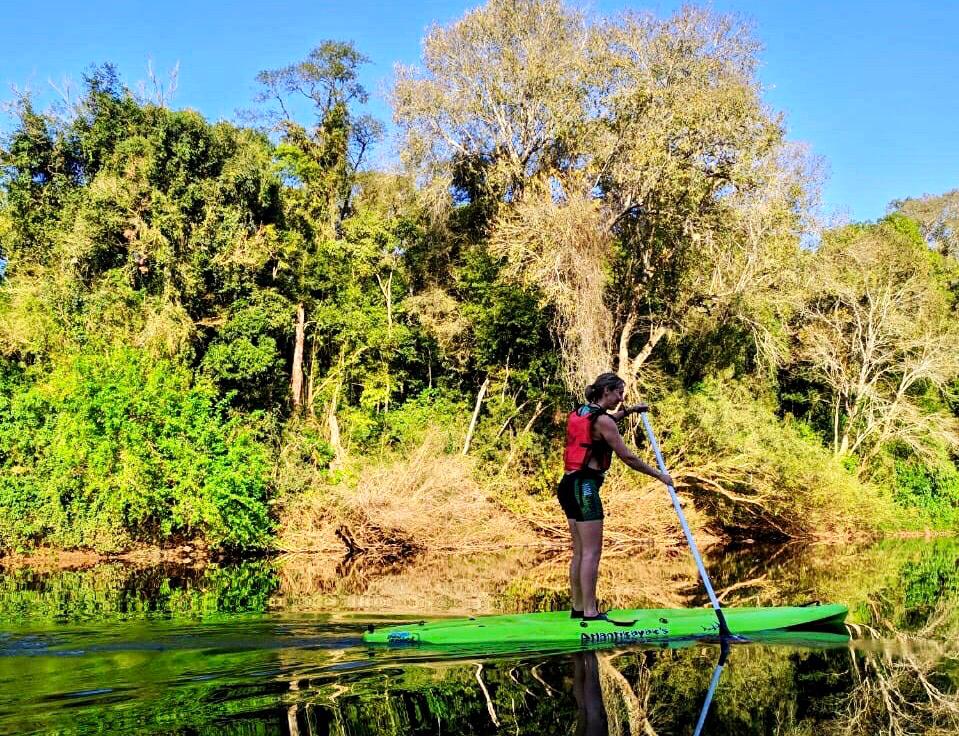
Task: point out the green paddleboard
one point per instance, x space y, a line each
625 626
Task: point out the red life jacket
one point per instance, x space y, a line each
580 446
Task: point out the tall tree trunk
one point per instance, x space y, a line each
296 383
623 365
387 291
476 411
850 412
630 371
310 381
835 426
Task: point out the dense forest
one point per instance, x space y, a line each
247 337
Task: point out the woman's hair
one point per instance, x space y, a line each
604 381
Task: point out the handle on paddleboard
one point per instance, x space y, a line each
723 628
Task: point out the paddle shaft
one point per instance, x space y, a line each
723 655
723 628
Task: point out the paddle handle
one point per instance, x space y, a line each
723 628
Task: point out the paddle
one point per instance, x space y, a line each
723 628
704 711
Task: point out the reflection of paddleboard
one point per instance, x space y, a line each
624 626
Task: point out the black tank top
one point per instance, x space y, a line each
601 450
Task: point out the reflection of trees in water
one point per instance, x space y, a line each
883 683
628 691
908 575
914 574
517 579
118 590
626 704
908 683
900 676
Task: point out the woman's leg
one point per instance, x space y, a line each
591 543
575 589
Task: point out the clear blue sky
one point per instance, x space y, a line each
871 86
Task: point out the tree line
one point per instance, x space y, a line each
199 318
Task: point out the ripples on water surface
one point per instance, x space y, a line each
255 648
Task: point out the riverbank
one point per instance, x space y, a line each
48 558
491 581
398 506
336 559
432 501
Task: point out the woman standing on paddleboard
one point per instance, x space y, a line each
591 439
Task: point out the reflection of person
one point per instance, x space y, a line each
591 439
591 718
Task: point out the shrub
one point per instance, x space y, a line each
932 490
112 449
761 475
432 410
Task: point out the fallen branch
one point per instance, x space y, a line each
760 581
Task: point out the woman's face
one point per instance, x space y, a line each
614 396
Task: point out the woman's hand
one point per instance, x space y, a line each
637 408
667 479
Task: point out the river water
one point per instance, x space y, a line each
274 647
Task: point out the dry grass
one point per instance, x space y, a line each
428 500
432 583
638 512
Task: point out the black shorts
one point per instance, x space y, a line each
579 495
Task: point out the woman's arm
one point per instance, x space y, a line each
610 432
620 415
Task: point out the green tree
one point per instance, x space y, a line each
628 168
112 449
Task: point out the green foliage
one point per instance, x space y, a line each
509 326
116 592
164 195
875 343
429 411
245 358
927 579
363 338
313 448
934 491
111 449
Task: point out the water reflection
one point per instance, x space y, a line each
591 719
117 592
311 675
273 646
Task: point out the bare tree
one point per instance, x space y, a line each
155 90
502 87
873 333
558 246
899 686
